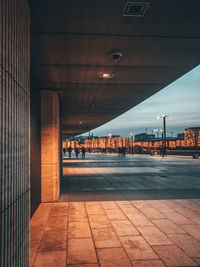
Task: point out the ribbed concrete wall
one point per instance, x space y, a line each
14 132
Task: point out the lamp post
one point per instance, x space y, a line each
162 151
156 131
110 137
131 143
163 134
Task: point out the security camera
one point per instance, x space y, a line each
116 55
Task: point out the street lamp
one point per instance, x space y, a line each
162 151
131 143
110 137
164 133
156 131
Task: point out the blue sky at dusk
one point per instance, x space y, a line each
180 100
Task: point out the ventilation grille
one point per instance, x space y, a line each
135 9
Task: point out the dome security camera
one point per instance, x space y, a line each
116 55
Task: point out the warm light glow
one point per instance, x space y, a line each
106 76
162 116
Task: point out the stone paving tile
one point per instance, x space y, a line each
186 212
124 228
59 222
80 251
59 210
189 203
39 221
173 256
148 263
76 206
170 203
42 212
160 206
177 218
167 226
197 260
111 257
193 230
83 265
105 238
186 242
140 204
109 205
79 230
124 202
78 216
137 248
114 215
95 209
53 258
139 220
37 226
36 232
152 213
53 240
92 203
154 236
34 245
129 209
99 221
196 220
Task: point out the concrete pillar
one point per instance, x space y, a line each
50 146
14 133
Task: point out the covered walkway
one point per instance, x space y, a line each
133 211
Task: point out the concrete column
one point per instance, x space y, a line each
50 146
14 133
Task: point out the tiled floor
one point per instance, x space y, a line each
128 228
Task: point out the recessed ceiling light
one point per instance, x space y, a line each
106 75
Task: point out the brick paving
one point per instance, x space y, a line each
121 227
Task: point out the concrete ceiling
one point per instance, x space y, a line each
70 42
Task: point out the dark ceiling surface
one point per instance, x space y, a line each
70 45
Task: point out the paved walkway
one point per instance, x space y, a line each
140 211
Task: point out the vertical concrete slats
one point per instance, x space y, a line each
14 132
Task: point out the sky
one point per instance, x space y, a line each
180 101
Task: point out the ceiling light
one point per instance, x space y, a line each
106 75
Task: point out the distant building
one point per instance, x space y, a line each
114 135
192 136
180 136
143 137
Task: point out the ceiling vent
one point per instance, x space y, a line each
135 9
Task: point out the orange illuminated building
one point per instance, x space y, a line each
191 140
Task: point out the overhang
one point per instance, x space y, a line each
71 42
